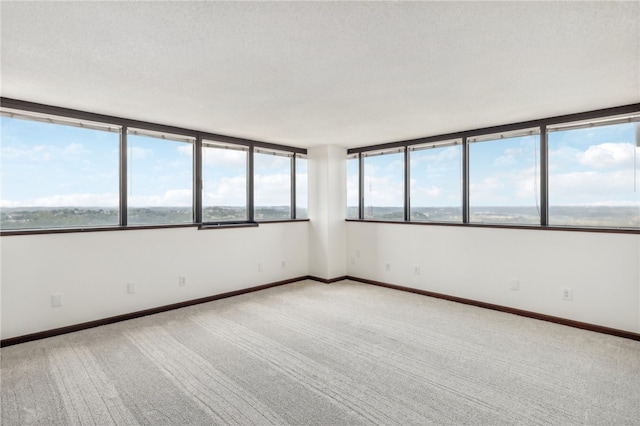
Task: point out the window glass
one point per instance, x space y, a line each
272 184
160 178
384 185
436 182
224 182
353 182
57 175
593 175
302 198
504 177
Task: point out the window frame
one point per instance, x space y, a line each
405 177
127 168
213 143
292 181
601 116
425 147
493 137
48 113
611 120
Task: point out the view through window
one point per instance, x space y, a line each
63 172
272 184
593 173
384 185
159 178
504 178
302 187
353 182
58 173
436 182
224 182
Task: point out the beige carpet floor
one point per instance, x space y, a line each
310 353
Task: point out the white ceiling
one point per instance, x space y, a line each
315 73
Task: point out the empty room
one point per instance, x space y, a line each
319 213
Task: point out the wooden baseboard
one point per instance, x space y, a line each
83 326
104 321
528 314
326 281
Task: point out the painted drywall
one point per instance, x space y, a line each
602 269
327 205
92 270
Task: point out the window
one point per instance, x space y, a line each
159 178
504 177
353 186
224 182
436 181
593 173
302 188
272 184
384 185
58 172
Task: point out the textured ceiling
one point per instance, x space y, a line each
307 73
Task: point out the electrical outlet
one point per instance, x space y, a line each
182 281
567 294
387 267
259 267
514 284
283 264
56 300
131 287
416 270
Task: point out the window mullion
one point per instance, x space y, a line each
197 180
407 193
465 180
360 186
293 186
250 196
123 177
544 177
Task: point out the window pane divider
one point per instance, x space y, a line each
123 204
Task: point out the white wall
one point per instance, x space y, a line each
92 270
478 263
327 206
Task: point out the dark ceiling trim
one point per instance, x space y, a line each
102 118
588 115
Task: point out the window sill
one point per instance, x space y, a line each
266 221
226 225
7 233
505 226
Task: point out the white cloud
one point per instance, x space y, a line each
592 186
507 159
229 191
302 188
272 190
171 197
430 192
383 192
139 153
185 149
352 190
608 155
67 200
225 157
44 153
491 188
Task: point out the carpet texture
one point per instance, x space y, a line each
311 353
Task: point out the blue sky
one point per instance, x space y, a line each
592 166
45 165
57 165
